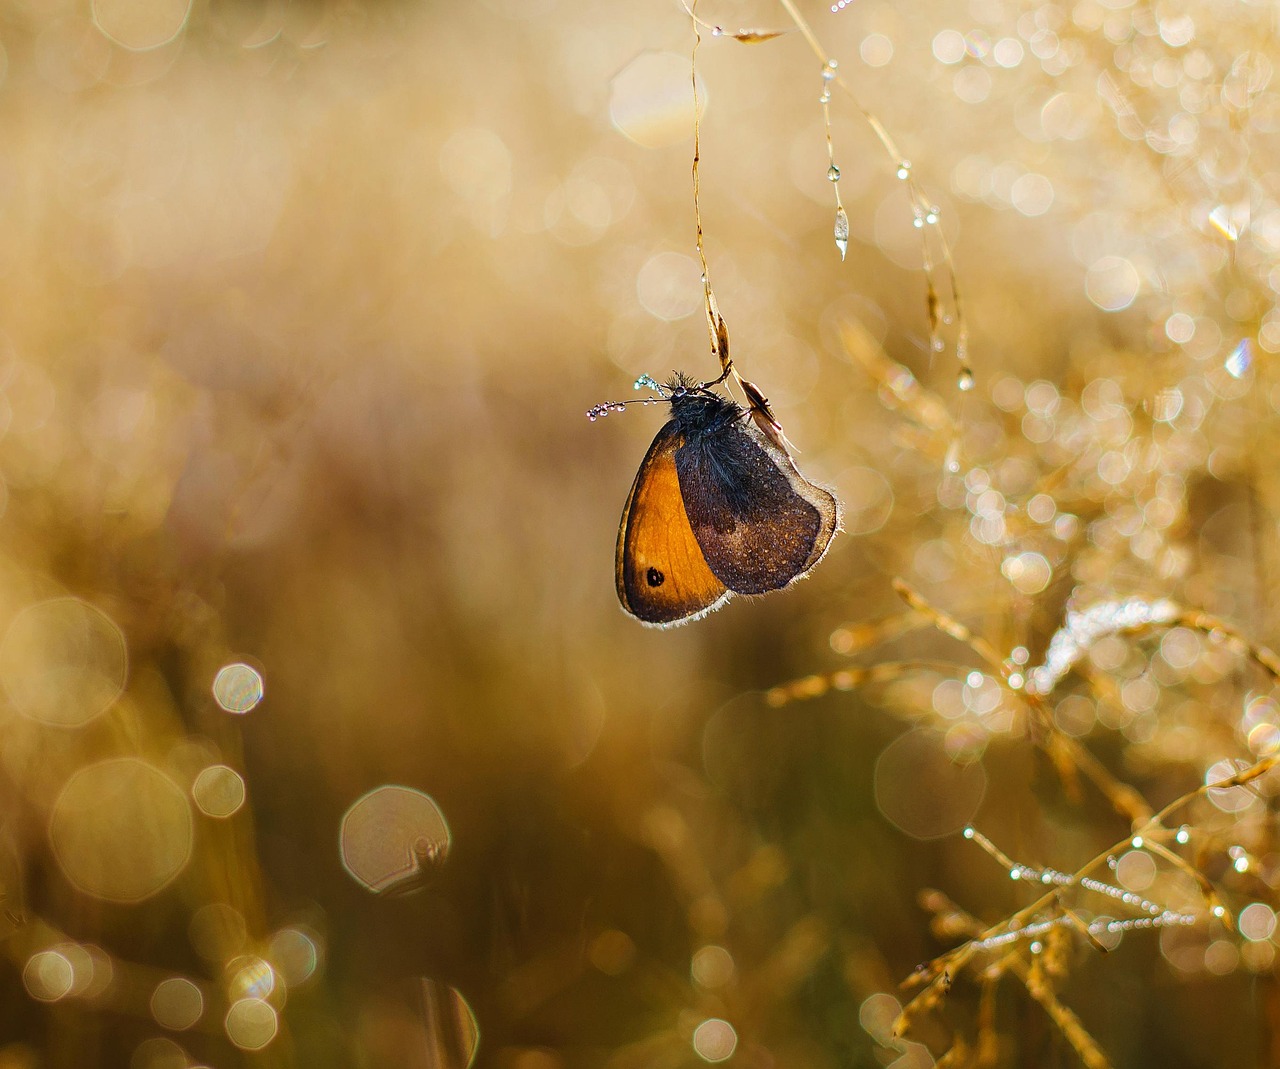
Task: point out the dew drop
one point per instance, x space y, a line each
829 70
833 173
965 380
1240 360
1223 221
825 98
904 169
842 232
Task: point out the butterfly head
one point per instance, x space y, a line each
697 409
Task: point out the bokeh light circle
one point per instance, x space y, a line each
712 966
63 662
1228 799
295 954
83 967
651 99
921 791
237 688
668 286
612 952
251 1023
1112 283
877 1015
1257 921
218 791
176 1003
393 838
140 25
867 498
48 976
121 830
217 931
1135 870
159 1053
715 1040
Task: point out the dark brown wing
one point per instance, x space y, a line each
760 523
663 578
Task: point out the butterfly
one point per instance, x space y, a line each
717 508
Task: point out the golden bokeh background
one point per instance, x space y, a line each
323 741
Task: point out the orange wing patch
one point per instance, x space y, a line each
663 577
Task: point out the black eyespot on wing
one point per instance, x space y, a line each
654 577
759 522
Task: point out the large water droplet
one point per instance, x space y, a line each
842 232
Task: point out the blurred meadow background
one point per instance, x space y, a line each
323 740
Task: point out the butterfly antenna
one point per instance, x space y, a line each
644 382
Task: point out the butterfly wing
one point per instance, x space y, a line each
663 577
760 523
